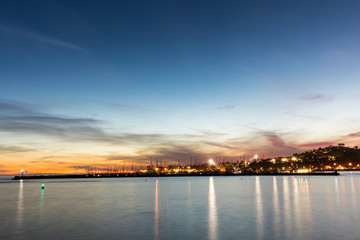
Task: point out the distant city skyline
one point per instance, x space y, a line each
94 83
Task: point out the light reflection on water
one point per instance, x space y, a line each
260 207
189 194
287 210
276 211
20 208
305 208
156 211
42 202
296 202
354 199
212 211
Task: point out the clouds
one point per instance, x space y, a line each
351 138
21 118
149 83
105 145
318 98
37 37
354 135
180 152
13 149
14 108
273 138
219 145
83 167
276 145
316 144
17 118
129 107
226 107
169 153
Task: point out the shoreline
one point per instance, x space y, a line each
130 175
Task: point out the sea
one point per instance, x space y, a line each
215 207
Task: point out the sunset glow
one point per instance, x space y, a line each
176 84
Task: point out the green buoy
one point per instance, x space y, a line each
43 186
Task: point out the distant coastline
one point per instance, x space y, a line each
131 175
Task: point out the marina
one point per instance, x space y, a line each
132 175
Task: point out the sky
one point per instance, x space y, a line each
89 83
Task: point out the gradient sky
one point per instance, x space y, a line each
96 83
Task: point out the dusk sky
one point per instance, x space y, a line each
96 83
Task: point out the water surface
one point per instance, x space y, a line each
232 207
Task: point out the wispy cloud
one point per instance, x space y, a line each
21 118
226 107
317 118
170 153
18 118
176 151
353 135
13 149
219 145
208 133
317 98
351 138
83 167
48 161
277 146
273 138
129 107
315 144
37 37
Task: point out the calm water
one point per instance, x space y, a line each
252 207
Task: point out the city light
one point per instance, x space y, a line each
298 163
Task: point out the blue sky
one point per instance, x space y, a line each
175 79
